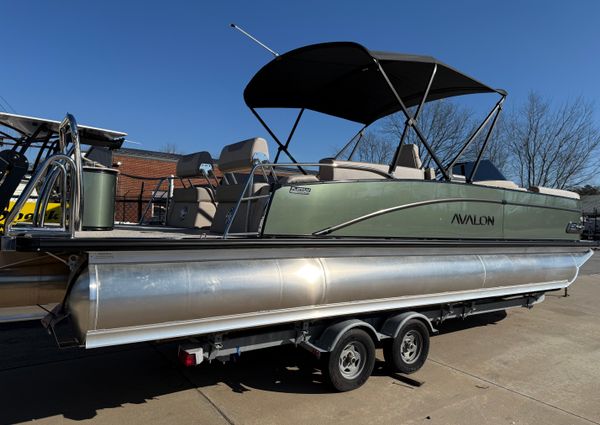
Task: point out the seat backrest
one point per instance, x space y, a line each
240 157
191 165
555 192
364 171
192 207
409 156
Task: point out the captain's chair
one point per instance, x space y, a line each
240 158
193 207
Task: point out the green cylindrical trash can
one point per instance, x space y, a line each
99 188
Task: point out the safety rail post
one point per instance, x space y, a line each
69 127
26 194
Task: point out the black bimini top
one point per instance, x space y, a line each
342 79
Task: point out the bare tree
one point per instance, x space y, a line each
445 125
554 147
374 148
169 148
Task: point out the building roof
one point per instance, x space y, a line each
589 203
141 153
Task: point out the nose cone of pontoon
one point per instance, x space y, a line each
80 306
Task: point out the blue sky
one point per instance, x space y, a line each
174 72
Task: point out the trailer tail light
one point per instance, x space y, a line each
190 356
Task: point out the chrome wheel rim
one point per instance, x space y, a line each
351 360
411 346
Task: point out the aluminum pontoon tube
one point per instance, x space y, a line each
28 279
119 302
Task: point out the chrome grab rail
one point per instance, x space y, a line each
264 166
69 126
61 164
75 180
42 204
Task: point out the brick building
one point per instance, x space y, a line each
140 172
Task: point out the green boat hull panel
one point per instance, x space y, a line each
418 209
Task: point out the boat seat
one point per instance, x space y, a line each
240 157
555 192
409 156
504 184
338 173
297 179
192 207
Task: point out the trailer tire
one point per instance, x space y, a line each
350 363
407 352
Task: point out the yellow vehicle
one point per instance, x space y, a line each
52 213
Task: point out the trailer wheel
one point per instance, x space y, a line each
350 363
407 352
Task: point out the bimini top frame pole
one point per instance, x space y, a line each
415 118
410 122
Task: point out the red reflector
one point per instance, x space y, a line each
186 358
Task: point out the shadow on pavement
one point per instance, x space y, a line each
37 380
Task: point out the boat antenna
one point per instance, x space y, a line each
273 52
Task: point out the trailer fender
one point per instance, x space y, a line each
330 336
392 326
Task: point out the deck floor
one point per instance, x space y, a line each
136 231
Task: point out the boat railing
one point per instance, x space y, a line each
68 166
268 167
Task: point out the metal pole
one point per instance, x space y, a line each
410 122
475 134
273 52
277 140
78 205
484 146
415 118
360 136
349 142
289 139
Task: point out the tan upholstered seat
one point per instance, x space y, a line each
192 206
239 157
409 156
555 192
364 171
191 165
298 179
504 184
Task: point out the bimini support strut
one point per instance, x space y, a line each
415 118
282 147
494 112
410 122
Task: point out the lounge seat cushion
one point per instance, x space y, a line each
504 184
297 179
555 192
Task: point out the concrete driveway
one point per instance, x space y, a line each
539 366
